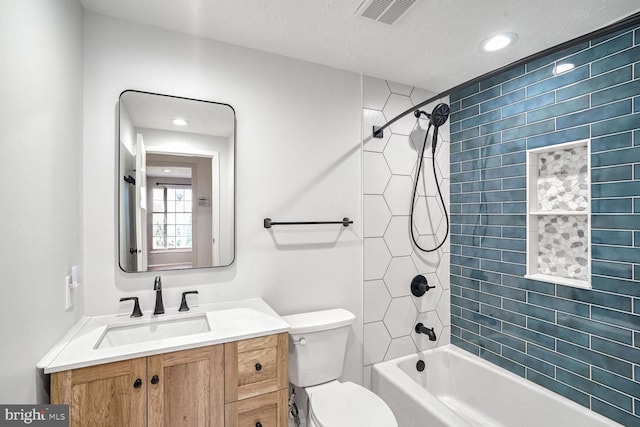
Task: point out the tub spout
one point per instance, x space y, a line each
421 329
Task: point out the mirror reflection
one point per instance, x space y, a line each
176 183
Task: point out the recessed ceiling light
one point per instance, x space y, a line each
498 41
180 122
166 170
563 68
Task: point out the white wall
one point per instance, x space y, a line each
41 152
298 158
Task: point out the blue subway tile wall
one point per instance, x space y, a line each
581 343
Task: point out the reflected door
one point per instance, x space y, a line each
141 202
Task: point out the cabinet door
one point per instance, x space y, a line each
186 388
266 410
114 394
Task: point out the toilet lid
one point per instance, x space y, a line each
347 405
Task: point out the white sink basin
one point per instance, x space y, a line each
114 336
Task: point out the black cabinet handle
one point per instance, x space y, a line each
258 424
258 367
155 379
137 383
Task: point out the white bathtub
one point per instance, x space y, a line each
460 389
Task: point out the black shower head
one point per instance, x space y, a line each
438 116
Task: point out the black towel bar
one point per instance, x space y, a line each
268 222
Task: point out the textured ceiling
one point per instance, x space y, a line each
433 46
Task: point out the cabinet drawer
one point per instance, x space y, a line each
258 365
255 366
268 410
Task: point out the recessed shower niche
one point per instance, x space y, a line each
558 214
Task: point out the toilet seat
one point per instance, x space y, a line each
347 405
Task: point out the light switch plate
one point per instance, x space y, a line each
68 293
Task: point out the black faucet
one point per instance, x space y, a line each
157 286
421 329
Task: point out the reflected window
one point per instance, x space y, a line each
172 218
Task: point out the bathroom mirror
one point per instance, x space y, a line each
176 183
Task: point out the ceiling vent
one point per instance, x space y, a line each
385 11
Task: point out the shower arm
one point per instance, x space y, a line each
377 131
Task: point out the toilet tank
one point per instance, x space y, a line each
317 345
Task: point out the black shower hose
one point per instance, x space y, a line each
434 143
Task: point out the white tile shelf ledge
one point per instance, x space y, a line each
558 280
558 213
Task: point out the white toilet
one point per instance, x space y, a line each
317 345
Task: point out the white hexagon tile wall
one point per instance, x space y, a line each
391 259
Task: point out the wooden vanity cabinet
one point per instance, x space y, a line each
237 384
183 388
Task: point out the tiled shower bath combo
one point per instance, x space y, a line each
579 341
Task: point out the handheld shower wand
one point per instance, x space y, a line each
437 118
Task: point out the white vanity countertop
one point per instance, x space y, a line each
77 349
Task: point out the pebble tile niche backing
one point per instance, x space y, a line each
562 180
583 344
562 239
562 249
390 258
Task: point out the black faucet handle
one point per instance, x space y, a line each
183 303
136 306
419 285
157 283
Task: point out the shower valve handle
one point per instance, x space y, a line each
419 285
